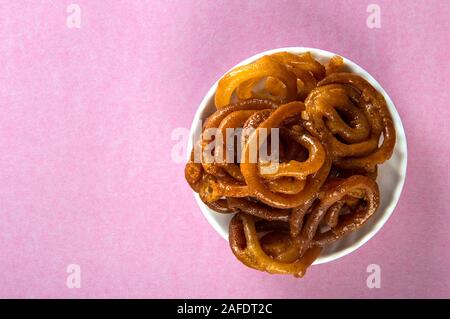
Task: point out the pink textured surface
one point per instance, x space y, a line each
86 117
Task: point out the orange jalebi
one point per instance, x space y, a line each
293 151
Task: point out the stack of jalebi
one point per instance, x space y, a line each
321 129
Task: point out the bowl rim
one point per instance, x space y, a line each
400 135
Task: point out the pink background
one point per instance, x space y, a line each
86 116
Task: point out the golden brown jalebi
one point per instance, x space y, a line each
264 67
246 246
350 116
293 151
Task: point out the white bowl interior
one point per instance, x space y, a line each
391 175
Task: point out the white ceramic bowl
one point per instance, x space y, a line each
391 175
